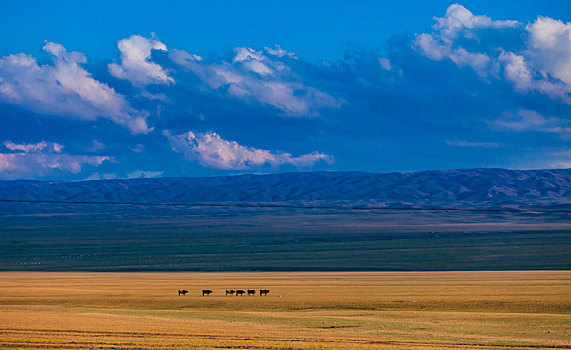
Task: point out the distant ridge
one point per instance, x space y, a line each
466 188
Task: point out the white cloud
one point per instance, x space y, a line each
57 147
254 76
430 47
459 20
34 147
209 149
135 63
279 52
246 53
549 47
257 67
529 120
42 159
518 72
543 66
435 49
64 89
24 165
385 63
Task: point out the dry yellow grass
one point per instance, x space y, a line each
381 310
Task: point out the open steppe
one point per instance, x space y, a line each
305 310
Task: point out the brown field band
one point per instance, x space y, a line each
460 310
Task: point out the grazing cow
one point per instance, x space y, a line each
206 292
230 291
251 292
182 292
264 292
240 292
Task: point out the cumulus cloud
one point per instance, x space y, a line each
64 89
135 65
518 72
543 65
458 20
411 95
550 47
435 49
210 150
255 76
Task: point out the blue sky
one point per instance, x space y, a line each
114 89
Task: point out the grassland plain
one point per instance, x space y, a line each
136 239
305 310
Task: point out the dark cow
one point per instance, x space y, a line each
240 292
230 291
206 292
264 292
182 292
251 292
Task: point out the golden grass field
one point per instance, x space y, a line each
348 310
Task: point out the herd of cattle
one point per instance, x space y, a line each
237 292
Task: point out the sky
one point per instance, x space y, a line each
106 89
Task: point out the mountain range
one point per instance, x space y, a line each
465 188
